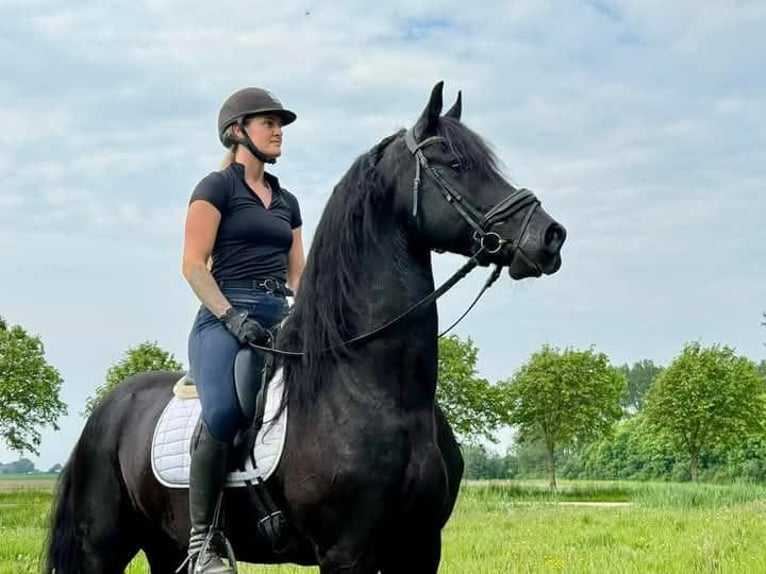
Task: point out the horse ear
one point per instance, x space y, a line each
426 124
456 109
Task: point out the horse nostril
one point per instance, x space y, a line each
555 236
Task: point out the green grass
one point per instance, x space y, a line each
651 494
512 527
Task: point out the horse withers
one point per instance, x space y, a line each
370 469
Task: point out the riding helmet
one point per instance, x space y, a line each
247 102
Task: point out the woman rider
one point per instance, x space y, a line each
242 222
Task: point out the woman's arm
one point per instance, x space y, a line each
296 260
202 221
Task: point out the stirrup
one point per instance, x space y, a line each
213 542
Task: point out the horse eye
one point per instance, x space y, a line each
457 166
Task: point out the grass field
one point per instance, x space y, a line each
518 527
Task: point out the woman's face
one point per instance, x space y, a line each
266 133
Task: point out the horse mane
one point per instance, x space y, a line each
353 228
356 225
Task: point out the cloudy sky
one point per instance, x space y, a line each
640 125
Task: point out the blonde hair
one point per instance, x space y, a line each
228 159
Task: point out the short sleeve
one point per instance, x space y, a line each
295 209
213 188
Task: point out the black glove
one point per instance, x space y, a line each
245 329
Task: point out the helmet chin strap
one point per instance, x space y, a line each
248 143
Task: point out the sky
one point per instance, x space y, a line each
640 125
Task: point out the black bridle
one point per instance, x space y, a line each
487 242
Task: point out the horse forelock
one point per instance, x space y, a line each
470 149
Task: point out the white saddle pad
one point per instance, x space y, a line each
172 440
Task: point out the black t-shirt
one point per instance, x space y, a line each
252 241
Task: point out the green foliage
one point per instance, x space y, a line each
639 377
564 398
139 359
29 389
472 406
531 458
707 397
480 464
631 451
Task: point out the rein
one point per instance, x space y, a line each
472 263
488 242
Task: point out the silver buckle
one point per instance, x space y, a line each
270 285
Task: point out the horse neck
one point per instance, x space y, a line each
399 279
407 351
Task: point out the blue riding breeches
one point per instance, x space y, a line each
212 350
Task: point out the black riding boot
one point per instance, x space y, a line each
208 548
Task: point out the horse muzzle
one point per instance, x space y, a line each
535 249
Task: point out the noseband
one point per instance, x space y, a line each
486 241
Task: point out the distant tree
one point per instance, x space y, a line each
563 398
480 464
144 357
632 451
55 469
531 457
707 397
639 377
21 466
472 406
29 389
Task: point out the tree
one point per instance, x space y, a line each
483 465
639 378
29 389
55 469
707 397
564 398
632 451
21 466
144 357
472 406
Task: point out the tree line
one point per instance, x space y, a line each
573 412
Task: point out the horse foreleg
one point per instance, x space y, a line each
341 560
416 553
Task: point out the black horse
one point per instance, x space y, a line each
371 470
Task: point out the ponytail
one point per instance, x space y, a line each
228 159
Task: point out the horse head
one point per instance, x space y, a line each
455 199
